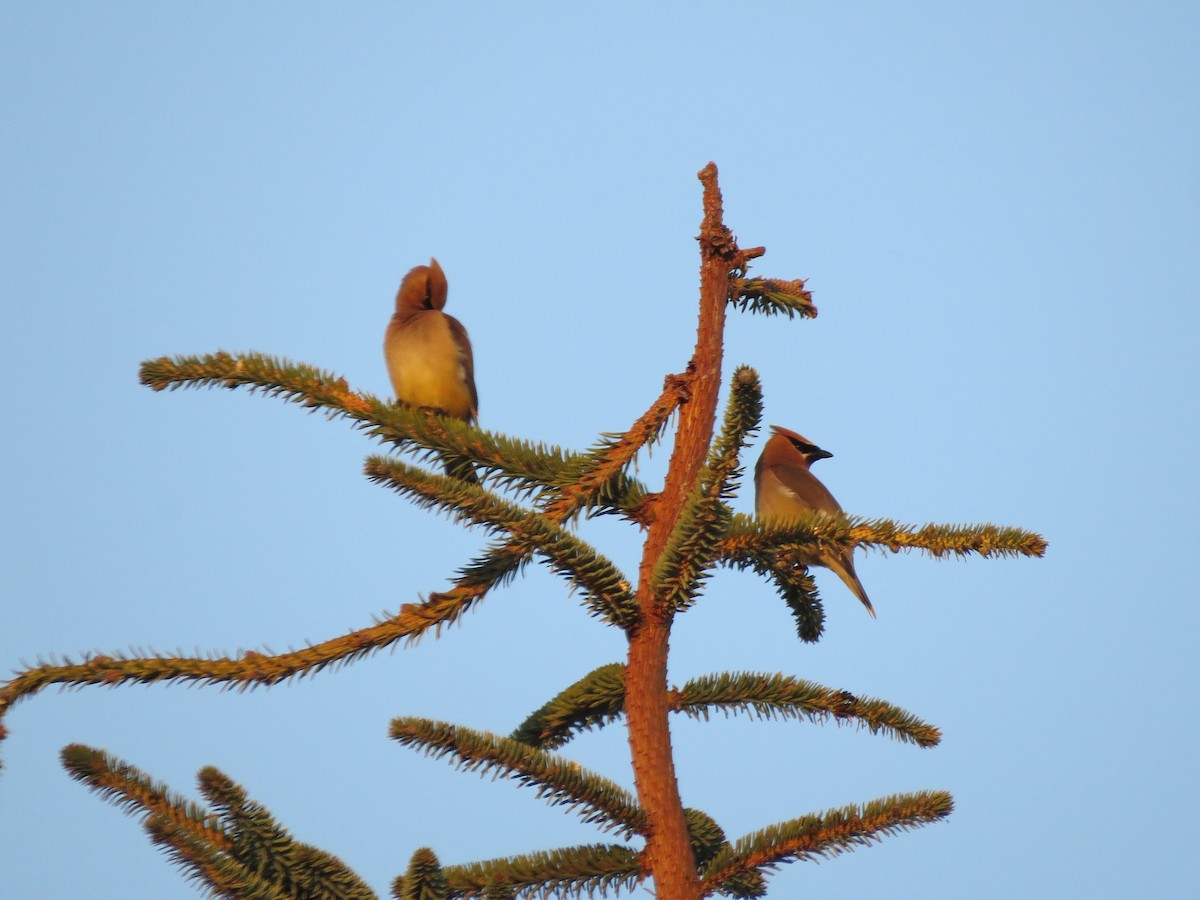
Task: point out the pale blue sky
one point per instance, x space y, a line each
997 206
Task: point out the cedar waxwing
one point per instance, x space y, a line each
428 352
784 488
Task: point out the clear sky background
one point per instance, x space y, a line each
998 209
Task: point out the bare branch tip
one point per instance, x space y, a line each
713 212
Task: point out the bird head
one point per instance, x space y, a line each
424 287
788 441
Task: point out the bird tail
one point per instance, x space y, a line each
843 565
462 470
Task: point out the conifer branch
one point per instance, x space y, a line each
826 835
586 869
268 850
559 780
743 886
582 481
424 880
518 465
773 297
251 669
608 596
769 696
327 877
217 873
783 554
238 852
415 430
691 550
707 836
135 793
294 382
708 839
265 848
499 565
593 701
792 582
598 698
799 591
605 587
746 537
593 471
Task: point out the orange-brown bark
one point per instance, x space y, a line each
668 852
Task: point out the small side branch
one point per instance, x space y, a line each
770 696
581 871
560 781
249 670
748 540
236 849
615 458
774 297
827 835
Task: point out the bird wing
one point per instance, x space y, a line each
466 359
803 487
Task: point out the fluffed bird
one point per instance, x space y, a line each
428 352
785 488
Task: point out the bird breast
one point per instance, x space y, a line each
428 368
